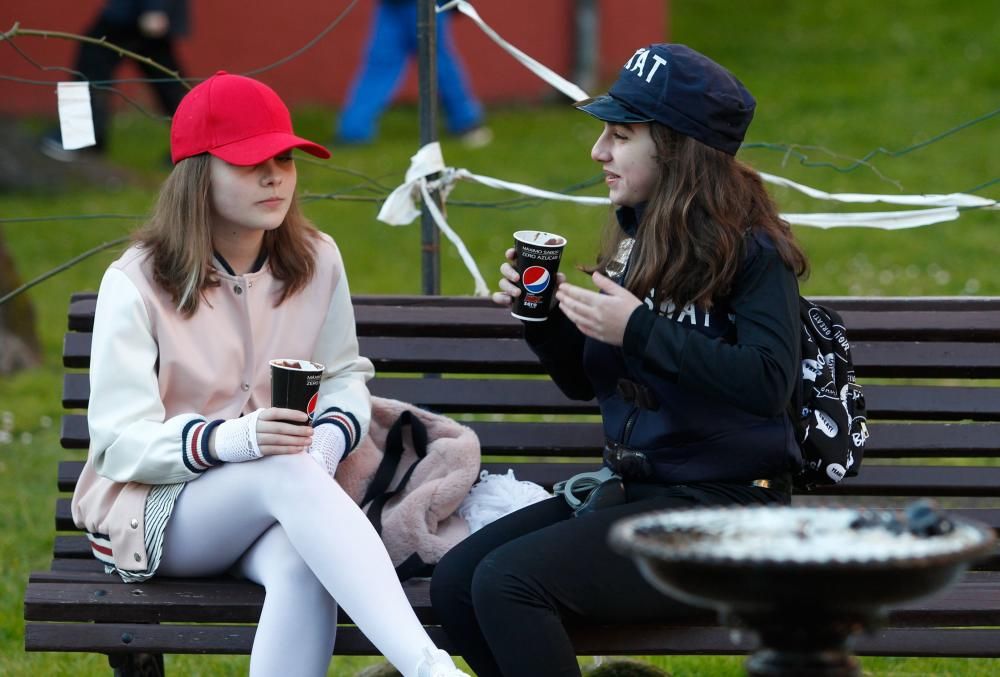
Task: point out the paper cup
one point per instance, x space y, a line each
536 258
295 384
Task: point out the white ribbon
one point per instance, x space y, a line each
401 209
950 200
527 190
894 220
574 92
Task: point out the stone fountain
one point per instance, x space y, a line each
805 580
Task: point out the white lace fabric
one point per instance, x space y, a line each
328 446
236 439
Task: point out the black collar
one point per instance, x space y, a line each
257 265
629 218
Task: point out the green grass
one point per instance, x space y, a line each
846 76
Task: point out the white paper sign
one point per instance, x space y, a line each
76 119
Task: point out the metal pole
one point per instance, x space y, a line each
430 260
586 45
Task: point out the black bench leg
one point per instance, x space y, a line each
137 664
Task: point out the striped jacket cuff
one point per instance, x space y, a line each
347 424
194 443
100 545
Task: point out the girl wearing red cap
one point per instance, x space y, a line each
690 345
191 472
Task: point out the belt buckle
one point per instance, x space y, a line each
763 484
628 463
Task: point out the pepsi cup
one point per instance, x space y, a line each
536 258
295 384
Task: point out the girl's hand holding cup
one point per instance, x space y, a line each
269 431
510 283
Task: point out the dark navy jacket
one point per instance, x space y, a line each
717 384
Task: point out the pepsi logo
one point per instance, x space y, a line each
535 279
311 407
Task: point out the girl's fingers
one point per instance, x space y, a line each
278 450
509 288
278 440
509 272
280 414
289 437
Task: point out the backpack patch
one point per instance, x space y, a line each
828 406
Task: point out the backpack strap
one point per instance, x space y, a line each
378 493
412 567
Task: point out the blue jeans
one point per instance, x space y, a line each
392 42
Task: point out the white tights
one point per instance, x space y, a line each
285 524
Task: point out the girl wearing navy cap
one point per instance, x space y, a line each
690 344
191 472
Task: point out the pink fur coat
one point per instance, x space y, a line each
424 518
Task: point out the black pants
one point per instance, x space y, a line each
506 594
97 64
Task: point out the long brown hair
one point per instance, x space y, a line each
178 235
690 243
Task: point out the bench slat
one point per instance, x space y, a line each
988 516
925 319
201 639
885 359
969 602
532 396
600 640
574 439
874 480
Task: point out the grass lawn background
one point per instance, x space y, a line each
834 80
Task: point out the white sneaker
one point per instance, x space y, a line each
436 663
477 137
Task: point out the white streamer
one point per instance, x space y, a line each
400 207
470 263
950 200
544 72
453 174
893 220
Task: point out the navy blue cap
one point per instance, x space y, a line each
674 85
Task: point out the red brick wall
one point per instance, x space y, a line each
239 36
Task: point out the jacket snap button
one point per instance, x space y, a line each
245 387
238 289
134 524
138 557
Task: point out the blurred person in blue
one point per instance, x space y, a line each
689 344
147 27
392 43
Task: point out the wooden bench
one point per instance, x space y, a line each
931 368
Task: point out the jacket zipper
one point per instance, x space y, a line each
629 424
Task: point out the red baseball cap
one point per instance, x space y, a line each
236 119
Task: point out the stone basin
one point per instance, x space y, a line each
805 579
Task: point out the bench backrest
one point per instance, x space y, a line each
930 366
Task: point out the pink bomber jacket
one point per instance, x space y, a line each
159 382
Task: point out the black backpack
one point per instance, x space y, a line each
828 406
